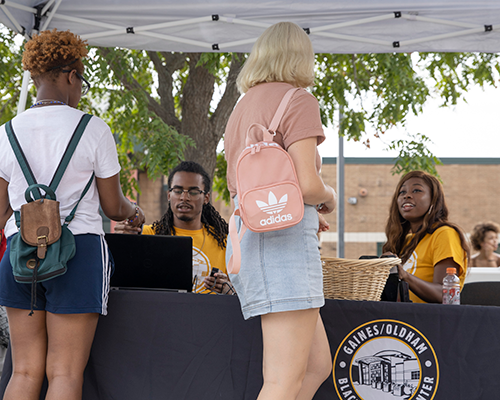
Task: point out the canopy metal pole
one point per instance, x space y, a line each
21 105
340 191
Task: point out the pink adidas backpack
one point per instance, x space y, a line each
269 194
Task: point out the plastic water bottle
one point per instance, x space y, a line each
451 287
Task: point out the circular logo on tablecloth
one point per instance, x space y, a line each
383 360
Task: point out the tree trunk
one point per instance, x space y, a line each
205 129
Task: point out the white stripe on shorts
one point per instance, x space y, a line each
106 275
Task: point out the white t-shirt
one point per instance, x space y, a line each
43 134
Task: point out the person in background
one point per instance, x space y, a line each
418 232
484 239
280 278
55 341
190 213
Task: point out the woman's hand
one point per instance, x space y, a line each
138 220
329 206
323 225
403 275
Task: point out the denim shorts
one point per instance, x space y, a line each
280 270
84 288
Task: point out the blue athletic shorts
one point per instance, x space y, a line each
83 288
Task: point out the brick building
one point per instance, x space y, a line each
469 185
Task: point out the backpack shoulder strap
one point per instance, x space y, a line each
71 215
233 266
269 133
18 151
68 153
278 116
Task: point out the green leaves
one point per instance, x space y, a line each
123 85
164 148
11 74
454 73
220 182
414 155
158 104
377 90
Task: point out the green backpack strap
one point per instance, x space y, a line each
77 134
21 158
63 164
71 215
61 168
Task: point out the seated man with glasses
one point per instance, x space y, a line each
190 213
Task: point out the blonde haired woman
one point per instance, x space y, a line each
280 277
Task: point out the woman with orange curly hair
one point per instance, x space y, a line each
55 340
418 232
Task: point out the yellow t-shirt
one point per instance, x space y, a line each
206 254
443 243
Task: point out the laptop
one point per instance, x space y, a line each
477 274
151 262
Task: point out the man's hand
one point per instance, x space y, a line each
125 227
221 283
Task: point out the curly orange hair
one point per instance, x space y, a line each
51 49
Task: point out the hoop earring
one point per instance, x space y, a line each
430 209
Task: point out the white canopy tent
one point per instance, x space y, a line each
340 26
334 26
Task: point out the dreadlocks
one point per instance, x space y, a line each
215 225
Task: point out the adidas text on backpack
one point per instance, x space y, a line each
269 194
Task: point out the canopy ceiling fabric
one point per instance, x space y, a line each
335 26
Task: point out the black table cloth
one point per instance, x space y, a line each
162 345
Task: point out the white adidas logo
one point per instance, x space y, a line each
272 207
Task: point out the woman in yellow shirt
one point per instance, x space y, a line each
419 232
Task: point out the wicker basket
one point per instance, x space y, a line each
356 279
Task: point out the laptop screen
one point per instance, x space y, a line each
151 261
477 274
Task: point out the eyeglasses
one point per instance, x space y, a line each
192 193
85 83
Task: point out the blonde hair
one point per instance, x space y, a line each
283 53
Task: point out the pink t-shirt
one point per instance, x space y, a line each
300 121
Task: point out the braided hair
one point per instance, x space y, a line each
215 225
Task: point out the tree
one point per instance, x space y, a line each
380 90
164 106
11 74
184 100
